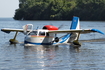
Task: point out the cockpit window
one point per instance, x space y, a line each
33 33
42 33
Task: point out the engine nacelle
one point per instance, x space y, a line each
50 27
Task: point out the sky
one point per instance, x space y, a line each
8 7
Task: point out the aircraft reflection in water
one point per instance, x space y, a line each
41 54
41 48
48 56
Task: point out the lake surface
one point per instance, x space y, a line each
90 56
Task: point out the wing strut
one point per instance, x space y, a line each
14 41
75 42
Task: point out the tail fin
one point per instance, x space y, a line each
75 23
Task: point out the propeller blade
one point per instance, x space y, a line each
60 26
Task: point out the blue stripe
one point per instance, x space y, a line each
63 39
74 23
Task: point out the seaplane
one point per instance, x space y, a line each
47 35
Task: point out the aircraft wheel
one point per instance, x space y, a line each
56 39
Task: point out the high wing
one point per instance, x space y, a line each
8 30
82 31
26 28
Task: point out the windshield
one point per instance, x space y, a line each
42 33
33 33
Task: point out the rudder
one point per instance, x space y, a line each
75 23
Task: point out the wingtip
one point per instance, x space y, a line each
96 30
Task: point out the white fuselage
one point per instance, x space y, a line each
42 37
38 37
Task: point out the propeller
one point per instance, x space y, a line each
60 26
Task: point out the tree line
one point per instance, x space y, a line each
60 10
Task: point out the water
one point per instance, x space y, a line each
90 56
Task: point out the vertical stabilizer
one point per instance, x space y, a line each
75 23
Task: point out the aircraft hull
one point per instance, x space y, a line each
43 40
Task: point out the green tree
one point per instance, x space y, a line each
60 9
